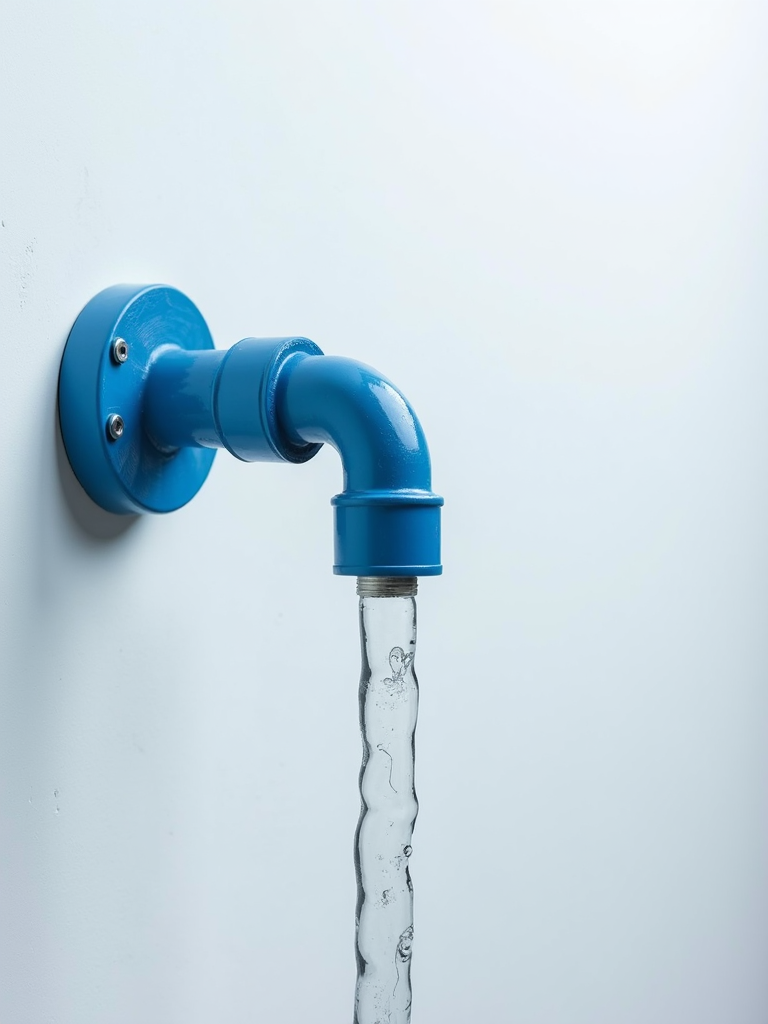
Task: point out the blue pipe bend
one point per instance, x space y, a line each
387 519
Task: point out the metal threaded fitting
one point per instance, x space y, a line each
387 586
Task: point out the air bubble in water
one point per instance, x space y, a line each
404 946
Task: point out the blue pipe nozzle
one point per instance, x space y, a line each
264 399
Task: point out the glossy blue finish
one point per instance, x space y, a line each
226 399
130 474
264 399
387 520
247 400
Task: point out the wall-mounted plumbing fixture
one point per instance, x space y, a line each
144 402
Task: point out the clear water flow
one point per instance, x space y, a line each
389 699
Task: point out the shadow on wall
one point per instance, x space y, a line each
85 514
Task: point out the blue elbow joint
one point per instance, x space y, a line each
274 399
387 519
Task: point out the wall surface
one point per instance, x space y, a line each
546 222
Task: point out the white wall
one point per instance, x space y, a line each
547 223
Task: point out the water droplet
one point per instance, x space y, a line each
407 850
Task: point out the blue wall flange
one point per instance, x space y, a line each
129 474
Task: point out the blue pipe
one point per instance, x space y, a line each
281 400
141 425
387 520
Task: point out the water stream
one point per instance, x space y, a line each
389 699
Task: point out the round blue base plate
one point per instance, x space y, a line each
129 474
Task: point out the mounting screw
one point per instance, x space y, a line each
115 425
119 350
